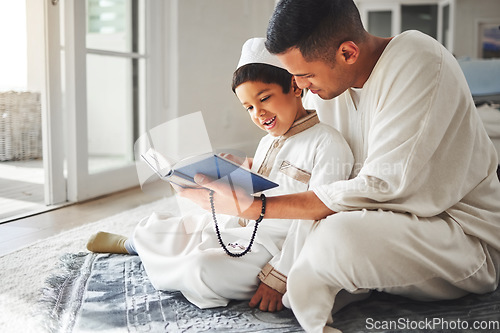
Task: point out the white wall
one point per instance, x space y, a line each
208 36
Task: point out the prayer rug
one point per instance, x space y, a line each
112 293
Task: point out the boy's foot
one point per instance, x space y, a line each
105 242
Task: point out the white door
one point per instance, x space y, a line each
108 72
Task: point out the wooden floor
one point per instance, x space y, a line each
19 233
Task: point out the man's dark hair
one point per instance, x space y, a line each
316 28
262 73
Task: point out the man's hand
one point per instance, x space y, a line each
267 298
230 201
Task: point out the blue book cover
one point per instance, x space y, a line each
214 166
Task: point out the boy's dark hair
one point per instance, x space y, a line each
262 73
316 28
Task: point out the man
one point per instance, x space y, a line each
420 215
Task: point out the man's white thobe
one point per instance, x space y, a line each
420 216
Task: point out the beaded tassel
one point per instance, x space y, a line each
229 253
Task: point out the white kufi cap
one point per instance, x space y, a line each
254 51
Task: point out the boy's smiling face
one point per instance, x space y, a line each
270 108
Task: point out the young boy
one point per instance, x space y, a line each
183 253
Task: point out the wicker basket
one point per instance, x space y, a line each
20 126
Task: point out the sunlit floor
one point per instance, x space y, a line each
21 189
22 185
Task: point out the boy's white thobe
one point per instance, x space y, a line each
420 215
183 253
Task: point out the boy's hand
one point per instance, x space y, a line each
244 162
267 298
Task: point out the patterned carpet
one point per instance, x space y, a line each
112 293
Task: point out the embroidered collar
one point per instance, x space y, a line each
298 126
302 124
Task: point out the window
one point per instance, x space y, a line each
391 17
115 75
445 28
380 23
108 73
422 17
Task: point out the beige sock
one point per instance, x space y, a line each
104 242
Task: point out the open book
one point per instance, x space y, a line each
214 166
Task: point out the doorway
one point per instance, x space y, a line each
22 176
87 62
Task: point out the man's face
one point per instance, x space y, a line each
320 78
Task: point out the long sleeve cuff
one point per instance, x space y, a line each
273 278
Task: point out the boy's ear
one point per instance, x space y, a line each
296 90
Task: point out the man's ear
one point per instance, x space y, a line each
349 52
296 90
